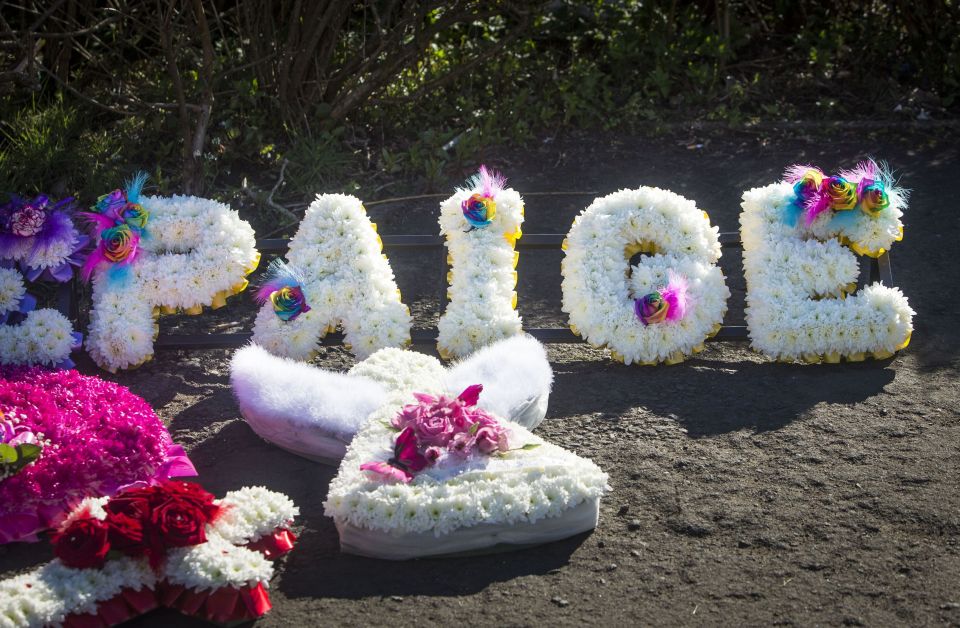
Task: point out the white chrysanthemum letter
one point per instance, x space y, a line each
800 272
346 280
186 252
482 224
661 309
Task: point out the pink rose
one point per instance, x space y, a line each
407 415
434 429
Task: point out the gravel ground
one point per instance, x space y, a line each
744 492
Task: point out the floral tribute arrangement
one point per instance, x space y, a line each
32 336
456 479
439 426
337 276
316 413
159 256
170 545
481 222
95 438
40 237
38 242
661 309
799 239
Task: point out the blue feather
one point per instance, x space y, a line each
119 275
135 186
844 220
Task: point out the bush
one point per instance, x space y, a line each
208 94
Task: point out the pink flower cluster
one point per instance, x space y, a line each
101 437
453 425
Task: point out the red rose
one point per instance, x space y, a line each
82 544
128 519
179 522
189 492
127 534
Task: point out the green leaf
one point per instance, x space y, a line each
29 452
530 446
389 426
474 429
8 454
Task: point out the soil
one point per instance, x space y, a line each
743 491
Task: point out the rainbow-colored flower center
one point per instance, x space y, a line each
135 215
842 193
289 302
119 242
479 210
651 308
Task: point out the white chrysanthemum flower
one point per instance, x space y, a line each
216 564
44 337
12 289
507 489
253 512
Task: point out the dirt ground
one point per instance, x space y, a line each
744 492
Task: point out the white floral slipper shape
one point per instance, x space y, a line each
516 378
534 493
315 413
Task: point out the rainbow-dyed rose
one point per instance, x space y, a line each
289 302
842 193
135 215
283 289
873 197
119 222
112 204
479 210
119 243
809 184
651 308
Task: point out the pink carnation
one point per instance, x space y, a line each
491 439
102 438
462 444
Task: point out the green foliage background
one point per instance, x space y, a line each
490 73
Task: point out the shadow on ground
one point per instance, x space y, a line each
710 398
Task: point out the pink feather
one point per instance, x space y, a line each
491 182
815 206
100 221
795 172
866 169
675 294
